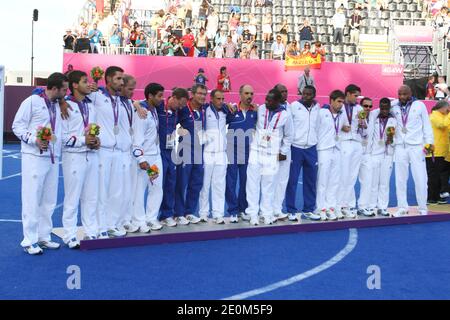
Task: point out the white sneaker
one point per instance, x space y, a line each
234 219
323 215
116 233
34 249
400 213
254 221
219 220
49 245
366 212
73 243
423 212
245 216
338 213
144 229
444 195
170 222
131 228
348 213
204 219
281 216
193 219
89 238
182 221
330 215
383 212
293 217
155 225
267 220
103 235
311 216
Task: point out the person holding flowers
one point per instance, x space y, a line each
436 164
37 124
147 154
80 161
382 127
115 142
351 150
412 133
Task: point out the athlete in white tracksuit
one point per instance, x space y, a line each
413 132
381 155
40 169
214 159
271 144
282 176
80 165
351 152
147 153
365 170
115 141
329 131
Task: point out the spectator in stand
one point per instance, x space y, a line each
306 49
200 78
134 34
212 24
202 43
180 25
431 91
223 80
126 20
195 11
69 41
167 47
95 36
181 13
178 48
252 22
441 89
247 39
233 22
306 79
230 48
188 41
284 30
141 45
188 7
202 12
441 21
338 25
244 53
83 43
115 41
218 51
277 50
319 49
341 3
267 27
254 52
292 49
355 24
306 33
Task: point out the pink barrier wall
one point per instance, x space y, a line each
375 80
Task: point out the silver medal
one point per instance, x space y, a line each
336 138
54 138
131 131
381 142
116 130
404 130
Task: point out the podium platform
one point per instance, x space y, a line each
212 231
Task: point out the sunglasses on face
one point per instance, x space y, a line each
367 106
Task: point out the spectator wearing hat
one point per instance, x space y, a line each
200 78
69 41
306 33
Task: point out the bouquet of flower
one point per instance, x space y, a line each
390 133
97 74
92 129
153 172
362 116
44 134
429 150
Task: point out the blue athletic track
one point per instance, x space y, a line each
413 262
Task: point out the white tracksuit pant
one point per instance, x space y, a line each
261 172
39 195
381 176
80 171
281 181
214 180
111 172
365 181
351 156
414 155
328 178
129 185
142 215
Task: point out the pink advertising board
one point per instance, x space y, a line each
375 80
414 34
